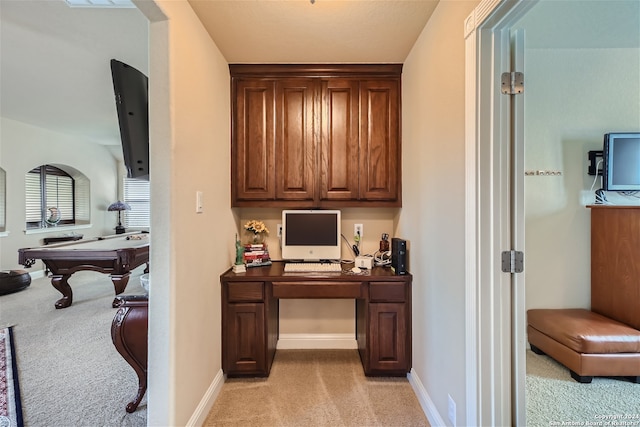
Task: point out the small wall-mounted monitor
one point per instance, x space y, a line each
621 156
311 235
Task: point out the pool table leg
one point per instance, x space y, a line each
120 282
59 281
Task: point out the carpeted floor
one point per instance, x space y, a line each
70 373
317 388
554 398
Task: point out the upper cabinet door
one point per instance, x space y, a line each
296 139
252 151
339 140
379 140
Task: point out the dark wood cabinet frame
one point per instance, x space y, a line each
250 316
309 136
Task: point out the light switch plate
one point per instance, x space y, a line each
199 202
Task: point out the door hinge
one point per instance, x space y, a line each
512 83
512 261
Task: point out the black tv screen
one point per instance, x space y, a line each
132 104
621 161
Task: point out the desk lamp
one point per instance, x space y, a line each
119 207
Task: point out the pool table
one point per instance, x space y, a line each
114 255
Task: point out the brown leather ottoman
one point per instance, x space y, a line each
587 343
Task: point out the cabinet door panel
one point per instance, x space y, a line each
245 339
379 140
388 337
253 152
339 142
295 141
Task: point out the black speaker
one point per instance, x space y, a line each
399 255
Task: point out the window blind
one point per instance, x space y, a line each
137 196
33 199
48 187
60 194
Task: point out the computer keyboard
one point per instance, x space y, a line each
311 267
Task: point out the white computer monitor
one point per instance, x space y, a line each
311 235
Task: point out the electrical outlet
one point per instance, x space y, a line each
452 410
358 232
279 227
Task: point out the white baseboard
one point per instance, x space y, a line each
317 341
426 403
206 403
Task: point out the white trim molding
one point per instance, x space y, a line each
317 341
60 229
427 405
199 416
487 212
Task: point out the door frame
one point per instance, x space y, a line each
490 167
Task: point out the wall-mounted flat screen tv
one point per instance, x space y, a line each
621 154
132 104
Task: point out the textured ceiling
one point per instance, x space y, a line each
297 31
582 24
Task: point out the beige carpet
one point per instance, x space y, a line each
317 388
554 398
70 373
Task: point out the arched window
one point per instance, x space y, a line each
55 197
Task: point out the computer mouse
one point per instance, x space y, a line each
356 270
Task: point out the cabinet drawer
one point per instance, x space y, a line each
386 292
317 289
246 292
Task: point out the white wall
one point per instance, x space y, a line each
573 97
23 147
432 218
190 151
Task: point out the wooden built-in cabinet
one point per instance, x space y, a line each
384 328
316 135
250 316
615 262
247 311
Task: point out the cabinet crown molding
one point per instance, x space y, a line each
315 70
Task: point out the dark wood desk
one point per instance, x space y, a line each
250 315
113 255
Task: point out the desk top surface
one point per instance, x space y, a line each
275 271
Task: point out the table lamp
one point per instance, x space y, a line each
119 207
